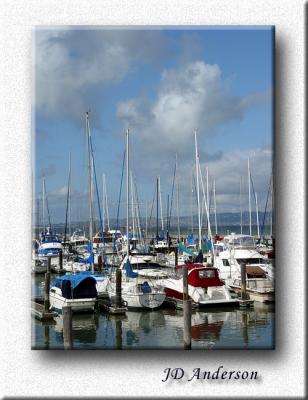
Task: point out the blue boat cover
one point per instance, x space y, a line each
129 271
82 285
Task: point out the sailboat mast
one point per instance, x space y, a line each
161 206
241 205
90 167
207 213
198 194
146 220
103 202
133 203
177 196
106 203
215 210
127 191
257 211
191 203
249 198
168 222
67 211
37 233
157 195
69 195
272 208
43 209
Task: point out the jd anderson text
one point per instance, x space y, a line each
220 373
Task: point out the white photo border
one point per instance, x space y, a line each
138 374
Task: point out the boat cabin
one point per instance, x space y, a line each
240 241
200 276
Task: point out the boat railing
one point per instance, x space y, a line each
260 285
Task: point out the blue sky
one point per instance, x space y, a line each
162 84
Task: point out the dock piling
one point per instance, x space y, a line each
60 260
47 284
186 311
99 262
118 324
67 328
243 282
176 250
118 299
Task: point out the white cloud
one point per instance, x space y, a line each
71 64
192 96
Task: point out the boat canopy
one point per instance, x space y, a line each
185 249
79 286
255 272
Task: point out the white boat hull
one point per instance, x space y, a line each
135 298
262 297
152 300
57 302
213 295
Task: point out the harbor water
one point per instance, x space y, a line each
212 328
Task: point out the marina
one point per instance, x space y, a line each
109 324
152 223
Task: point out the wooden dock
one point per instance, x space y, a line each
38 311
105 305
246 303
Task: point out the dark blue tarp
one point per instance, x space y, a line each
199 258
79 286
129 271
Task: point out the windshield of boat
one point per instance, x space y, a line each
240 241
50 238
249 260
145 265
207 273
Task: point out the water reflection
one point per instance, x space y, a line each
84 328
213 328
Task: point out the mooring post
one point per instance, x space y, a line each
99 262
60 259
118 323
186 310
245 327
47 284
243 281
118 299
176 250
46 337
67 327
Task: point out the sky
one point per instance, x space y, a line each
162 84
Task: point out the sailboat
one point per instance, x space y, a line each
137 291
49 244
